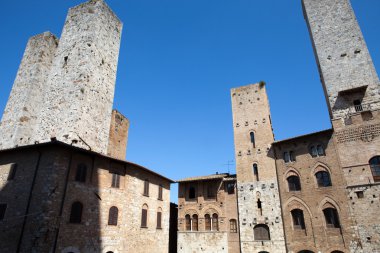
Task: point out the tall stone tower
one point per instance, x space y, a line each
346 69
65 90
261 227
352 90
79 95
19 120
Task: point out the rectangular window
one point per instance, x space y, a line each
146 188
12 172
286 157
160 192
211 190
144 217
3 208
115 180
159 214
231 188
233 227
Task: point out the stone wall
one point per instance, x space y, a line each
19 120
258 198
190 242
342 55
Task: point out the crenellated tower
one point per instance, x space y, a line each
261 227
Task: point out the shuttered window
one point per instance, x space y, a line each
80 175
146 187
207 222
115 180
76 212
188 222
215 225
113 216
160 192
159 217
233 226
195 223
144 217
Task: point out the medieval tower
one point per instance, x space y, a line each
65 90
352 91
260 221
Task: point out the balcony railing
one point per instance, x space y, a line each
360 108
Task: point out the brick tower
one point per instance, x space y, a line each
352 90
261 227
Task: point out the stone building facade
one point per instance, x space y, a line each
208 215
65 185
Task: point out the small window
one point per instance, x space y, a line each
298 219
252 136
115 180
188 222
3 208
331 217
144 216
358 105
160 192
215 224
317 150
76 212
159 219
256 171
323 179
360 194
113 216
194 223
12 172
294 183
192 192
207 222
289 157
80 176
231 188
259 207
374 163
261 232
233 226
146 187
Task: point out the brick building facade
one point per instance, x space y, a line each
65 185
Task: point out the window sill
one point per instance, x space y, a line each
160 199
146 195
159 228
143 227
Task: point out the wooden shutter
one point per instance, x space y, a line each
146 188
159 216
144 216
113 216
160 192
207 222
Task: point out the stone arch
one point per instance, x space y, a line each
190 212
328 202
108 249
210 209
320 167
70 249
290 172
300 202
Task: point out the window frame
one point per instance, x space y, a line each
233 226
144 216
374 164
331 217
113 216
298 219
296 186
146 188
81 173
115 183
76 213
258 233
321 183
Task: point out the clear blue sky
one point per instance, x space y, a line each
178 61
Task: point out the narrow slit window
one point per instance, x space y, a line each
252 136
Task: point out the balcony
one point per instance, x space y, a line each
360 108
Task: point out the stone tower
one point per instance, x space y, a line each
19 120
352 90
258 197
65 90
79 95
346 69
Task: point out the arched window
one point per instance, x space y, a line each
374 163
233 226
256 171
298 220
159 218
113 216
192 192
215 225
144 216
261 232
323 179
207 222
146 187
331 217
80 175
252 136
294 183
194 226
188 222
76 212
